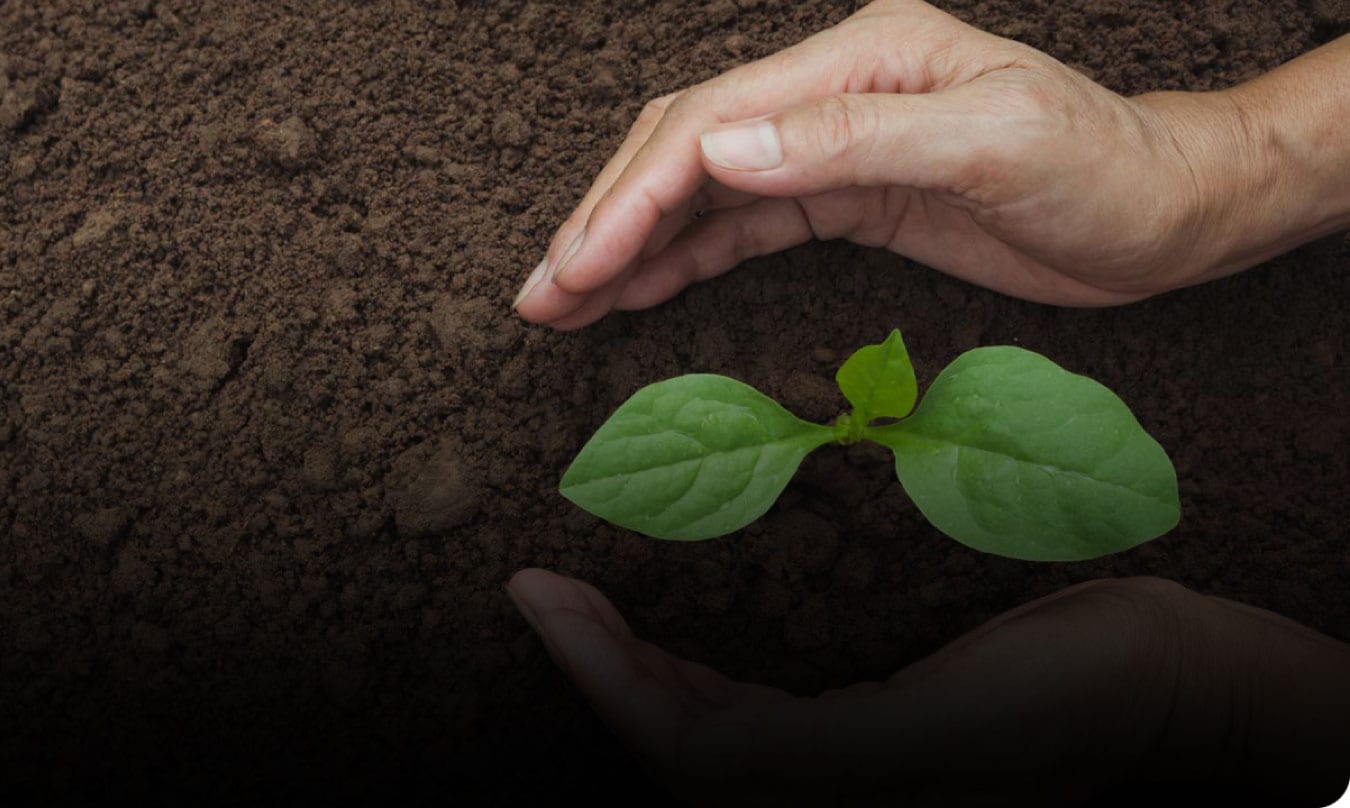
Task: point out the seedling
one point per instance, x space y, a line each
1008 453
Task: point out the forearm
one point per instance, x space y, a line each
1269 161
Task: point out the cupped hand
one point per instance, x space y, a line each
903 128
1100 685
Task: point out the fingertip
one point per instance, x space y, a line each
576 322
583 274
527 589
548 304
529 577
591 307
531 282
529 310
544 591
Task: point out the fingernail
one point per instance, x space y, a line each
567 256
744 146
531 282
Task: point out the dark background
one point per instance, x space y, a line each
256 261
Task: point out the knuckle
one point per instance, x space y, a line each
690 100
655 110
745 241
839 128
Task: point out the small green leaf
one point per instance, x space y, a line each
692 457
1013 455
878 380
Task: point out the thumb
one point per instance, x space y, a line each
843 141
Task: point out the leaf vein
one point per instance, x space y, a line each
1068 472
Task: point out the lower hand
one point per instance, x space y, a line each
1102 684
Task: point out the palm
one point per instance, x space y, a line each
946 233
1016 697
1029 259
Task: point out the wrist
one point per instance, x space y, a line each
1265 166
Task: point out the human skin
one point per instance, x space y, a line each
1107 684
904 128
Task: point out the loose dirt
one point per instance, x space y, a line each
271 441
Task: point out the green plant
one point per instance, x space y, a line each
1008 453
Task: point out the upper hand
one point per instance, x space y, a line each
904 128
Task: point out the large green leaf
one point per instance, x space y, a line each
1011 454
878 380
692 457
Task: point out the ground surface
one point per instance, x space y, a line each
271 441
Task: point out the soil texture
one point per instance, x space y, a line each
271 440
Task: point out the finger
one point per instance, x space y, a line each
711 197
645 694
595 305
888 47
929 141
552 303
712 246
639 707
641 129
637 136
548 303
537 591
594 648
541 590
716 196
667 170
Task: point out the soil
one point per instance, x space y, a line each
271 441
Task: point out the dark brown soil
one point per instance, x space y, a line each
271 441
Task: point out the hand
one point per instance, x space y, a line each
1102 684
901 127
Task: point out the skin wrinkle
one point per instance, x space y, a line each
897 209
1181 156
